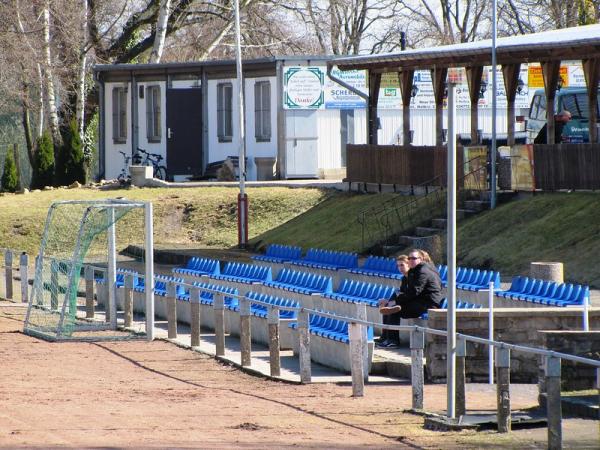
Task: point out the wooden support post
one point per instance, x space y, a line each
510 73
474 75
503 389
195 317
8 267
591 70
356 360
127 300
24 272
550 73
219 310
172 310
461 354
245 333
553 402
274 346
438 78
304 356
105 288
374 80
54 287
88 274
417 344
406 78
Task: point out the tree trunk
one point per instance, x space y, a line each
80 111
161 31
51 100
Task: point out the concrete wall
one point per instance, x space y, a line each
512 325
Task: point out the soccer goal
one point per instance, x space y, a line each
80 234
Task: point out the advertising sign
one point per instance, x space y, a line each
303 88
536 79
338 97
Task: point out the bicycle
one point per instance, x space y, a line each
125 177
152 159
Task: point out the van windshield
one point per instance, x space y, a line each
577 105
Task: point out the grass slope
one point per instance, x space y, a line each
562 227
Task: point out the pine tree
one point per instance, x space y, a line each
43 170
70 166
10 178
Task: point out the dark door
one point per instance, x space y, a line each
346 131
184 131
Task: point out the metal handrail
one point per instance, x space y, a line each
384 214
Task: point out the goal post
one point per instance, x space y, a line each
73 231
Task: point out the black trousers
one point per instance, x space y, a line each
391 335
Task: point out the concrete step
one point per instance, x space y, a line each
426 231
465 213
477 205
440 224
409 241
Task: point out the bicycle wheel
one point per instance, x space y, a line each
160 172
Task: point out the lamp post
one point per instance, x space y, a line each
242 196
494 94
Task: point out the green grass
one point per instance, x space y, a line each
551 227
560 227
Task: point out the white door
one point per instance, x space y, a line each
301 151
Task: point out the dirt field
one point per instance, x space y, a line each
155 395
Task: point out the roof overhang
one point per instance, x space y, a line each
565 44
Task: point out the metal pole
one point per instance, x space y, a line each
586 314
112 270
149 278
242 209
451 251
494 94
491 331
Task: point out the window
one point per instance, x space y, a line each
119 110
153 128
224 125
262 111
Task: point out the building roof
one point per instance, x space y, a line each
564 44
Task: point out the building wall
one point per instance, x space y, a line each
218 151
153 147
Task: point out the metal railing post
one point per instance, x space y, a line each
24 273
88 274
127 300
274 345
304 347
171 300
503 389
195 317
8 268
417 344
219 311
461 353
553 403
356 359
245 333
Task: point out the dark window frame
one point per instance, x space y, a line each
119 114
224 112
153 113
262 111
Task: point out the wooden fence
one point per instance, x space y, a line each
391 164
567 166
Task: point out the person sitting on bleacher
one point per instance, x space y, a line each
423 292
391 338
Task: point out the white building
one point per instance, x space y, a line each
297 120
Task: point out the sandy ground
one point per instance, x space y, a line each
137 394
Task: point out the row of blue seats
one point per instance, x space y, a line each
207 292
379 266
330 328
261 310
301 282
242 272
328 259
470 279
199 266
360 291
547 293
278 253
459 305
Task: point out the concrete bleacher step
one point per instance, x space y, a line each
465 213
439 224
409 241
477 205
426 231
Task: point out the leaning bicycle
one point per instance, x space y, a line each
125 177
152 159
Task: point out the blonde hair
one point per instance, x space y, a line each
402 258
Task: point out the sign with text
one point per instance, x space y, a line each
303 88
